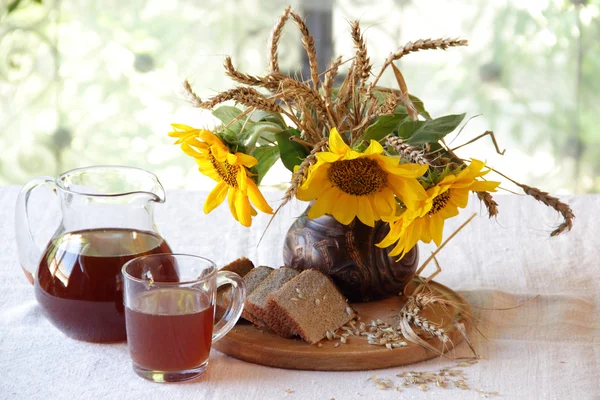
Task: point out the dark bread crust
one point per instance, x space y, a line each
252 281
242 266
281 322
284 307
256 302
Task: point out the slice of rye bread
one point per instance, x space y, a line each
257 301
252 280
241 266
308 305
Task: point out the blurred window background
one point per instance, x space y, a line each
86 82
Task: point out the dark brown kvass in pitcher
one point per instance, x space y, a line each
79 282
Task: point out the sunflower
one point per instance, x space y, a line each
426 223
229 170
346 183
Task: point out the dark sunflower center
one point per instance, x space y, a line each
359 177
439 202
226 171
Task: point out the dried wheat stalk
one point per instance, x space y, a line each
427 44
244 95
489 202
240 77
344 97
329 79
301 94
550 201
190 95
309 125
308 42
411 47
363 63
411 312
302 171
411 153
388 107
555 203
273 43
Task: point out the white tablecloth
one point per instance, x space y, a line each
549 348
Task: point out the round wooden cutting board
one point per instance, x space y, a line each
245 342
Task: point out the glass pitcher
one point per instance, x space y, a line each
107 220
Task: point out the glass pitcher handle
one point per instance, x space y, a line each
236 306
29 251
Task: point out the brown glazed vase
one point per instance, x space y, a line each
348 254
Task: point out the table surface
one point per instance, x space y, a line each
536 301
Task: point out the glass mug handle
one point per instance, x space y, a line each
236 306
29 251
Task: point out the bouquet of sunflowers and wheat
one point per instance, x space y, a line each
357 150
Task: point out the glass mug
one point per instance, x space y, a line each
169 312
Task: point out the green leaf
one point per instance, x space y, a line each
229 113
421 132
408 127
383 126
263 133
291 153
264 116
266 156
420 106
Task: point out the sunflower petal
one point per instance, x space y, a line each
436 228
231 195
385 204
484 186
242 179
374 148
459 197
243 208
246 160
365 212
328 157
215 197
315 183
344 210
257 198
323 203
336 143
209 137
393 235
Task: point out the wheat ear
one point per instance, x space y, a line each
302 171
244 95
427 44
550 201
555 203
239 76
291 88
273 43
308 42
421 44
489 202
388 107
363 63
411 153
